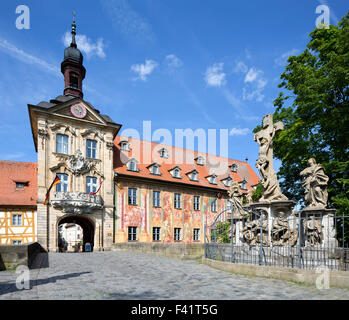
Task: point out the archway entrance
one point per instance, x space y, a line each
87 226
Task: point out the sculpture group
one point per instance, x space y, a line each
277 212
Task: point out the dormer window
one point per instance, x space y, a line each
228 182
163 153
193 175
234 167
125 146
155 169
212 179
244 184
200 161
132 165
176 173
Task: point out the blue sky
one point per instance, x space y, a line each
180 64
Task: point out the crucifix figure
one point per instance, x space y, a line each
264 163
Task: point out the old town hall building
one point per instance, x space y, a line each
106 185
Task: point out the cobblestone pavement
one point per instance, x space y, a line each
128 275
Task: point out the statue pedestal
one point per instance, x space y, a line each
239 226
318 221
278 209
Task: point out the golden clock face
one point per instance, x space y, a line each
78 110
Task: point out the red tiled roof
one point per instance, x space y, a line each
23 172
146 153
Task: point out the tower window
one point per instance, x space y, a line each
73 80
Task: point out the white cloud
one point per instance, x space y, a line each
239 132
252 95
86 45
280 61
255 84
240 67
144 70
173 61
19 54
127 21
251 75
214 75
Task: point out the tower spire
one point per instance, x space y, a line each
73 32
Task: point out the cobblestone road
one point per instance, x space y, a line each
126 275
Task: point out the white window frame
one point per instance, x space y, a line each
196 203
156 199
177 201
91 149
91 184
177 234
17 220
156 234
63 185
62 146
196 234
214 205
132 233
132 196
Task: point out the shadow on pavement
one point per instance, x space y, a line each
11 287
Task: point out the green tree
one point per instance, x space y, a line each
314 106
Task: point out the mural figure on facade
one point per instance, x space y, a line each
264 163
315 182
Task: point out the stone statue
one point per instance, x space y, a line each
78 164
315 182
235 194
264 163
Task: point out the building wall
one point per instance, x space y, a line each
144 216
50 163
25 233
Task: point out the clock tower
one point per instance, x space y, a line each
72 68
74 142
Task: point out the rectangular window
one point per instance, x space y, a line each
156 234
156 199
132 233
63 185
16 242
62 143
196 235
91 149
177 201
17 220
91 184
196 203
132 196
177 234
214 205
